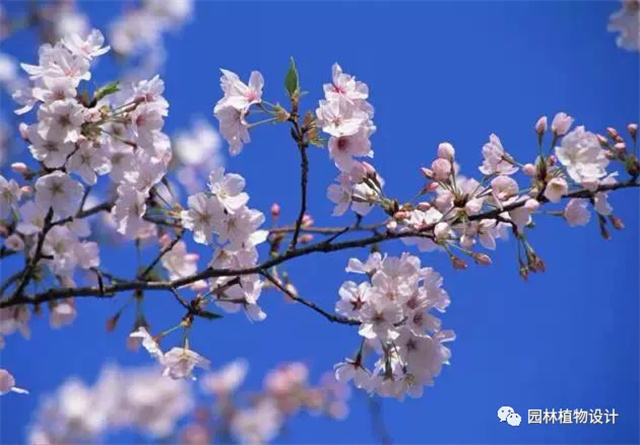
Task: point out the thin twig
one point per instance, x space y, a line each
309 304
304 173
162 253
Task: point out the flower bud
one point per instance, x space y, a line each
633 130
369 170
529 169
429 187
446 151
531 205
612 132
305 238
19 167
541 125
441 230
441 169
275 210
424 206
603 140
482 259
458 263
26 190
392 225
400 215
14 242
164 241
551 160
23 128
620 147
307 220
561 124
615 221
427 173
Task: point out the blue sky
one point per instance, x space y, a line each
454 71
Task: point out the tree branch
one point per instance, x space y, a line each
331 317
304 172
323 246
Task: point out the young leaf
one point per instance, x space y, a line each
291 82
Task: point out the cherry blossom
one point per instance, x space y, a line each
58 192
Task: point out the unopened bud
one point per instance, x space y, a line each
531 205
541 125
281 114
369 170
305 238
429 187
603 140
441 169
612 132
610 155
551 160
23 128
446 151
633 130
427 173
164 240
524 272
424 206
307 220
529 169
19 167
392 225
275 210
620 147
26 190
441 230
482 259
458 263
616 222
400 215
112 322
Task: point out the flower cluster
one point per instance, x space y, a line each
121 398
626 21
223 212
346 116
393 307
233 108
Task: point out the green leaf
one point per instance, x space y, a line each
104 91
291 82
208 315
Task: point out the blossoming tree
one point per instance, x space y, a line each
100 161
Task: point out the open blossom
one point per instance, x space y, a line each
343 149
496 160
52 152
179 363
581 154
556 188
179 262
345 86
9 196
228 189
576 212
59 192
340 117
88 161
89 48
238 94
14 242
128 210
226 380
626 21
203 217
233 128
61 120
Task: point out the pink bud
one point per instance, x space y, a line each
392 225
441 230
24 131
632 129
424 206
561 124
430 187
446 151
603 140
612 132
400 215
529 169
541 125
620 147
26 190
531 205
369 169
458 263
482 259
275 210
164 240
306 238
19 167
427 173
307 220
441 169
7 382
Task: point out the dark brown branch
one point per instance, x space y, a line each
56 294
331 317
304 173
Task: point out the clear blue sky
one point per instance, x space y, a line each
437 71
